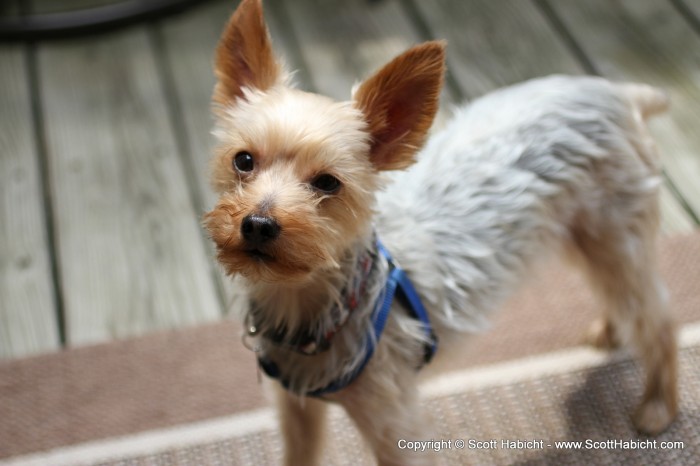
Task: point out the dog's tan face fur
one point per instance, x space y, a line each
307 166
290 156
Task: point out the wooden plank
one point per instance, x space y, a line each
28 320
344 42
674 218
484 56
649 41
494 43
131 255
690 6
186 44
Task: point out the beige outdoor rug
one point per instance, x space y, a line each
192 397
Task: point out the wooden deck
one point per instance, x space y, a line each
104 140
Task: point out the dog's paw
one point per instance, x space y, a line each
602 335
653 417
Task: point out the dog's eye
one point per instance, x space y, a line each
243 162
327 184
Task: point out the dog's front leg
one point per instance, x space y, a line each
302 423
384 404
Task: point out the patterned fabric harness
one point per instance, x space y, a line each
311 343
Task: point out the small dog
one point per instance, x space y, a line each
303 199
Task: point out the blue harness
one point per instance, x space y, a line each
398 284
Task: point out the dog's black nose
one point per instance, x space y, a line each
258 229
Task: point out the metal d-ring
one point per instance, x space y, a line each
251 332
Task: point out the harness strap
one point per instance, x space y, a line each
403 285
397 281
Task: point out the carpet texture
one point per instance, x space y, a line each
129 391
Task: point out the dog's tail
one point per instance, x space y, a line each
648 100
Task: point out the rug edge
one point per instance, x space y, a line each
218 429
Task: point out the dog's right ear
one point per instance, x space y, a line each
244 57
399 103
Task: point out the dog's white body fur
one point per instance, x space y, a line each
507 179
551 164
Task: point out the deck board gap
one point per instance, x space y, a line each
302 71
688 14
39 131
681 200
571 43
425 32
566 37
181 135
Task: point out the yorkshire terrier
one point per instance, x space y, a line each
351 280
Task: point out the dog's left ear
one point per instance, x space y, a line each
244 56
399 103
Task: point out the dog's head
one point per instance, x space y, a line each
296 172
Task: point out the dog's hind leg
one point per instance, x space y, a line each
620 259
